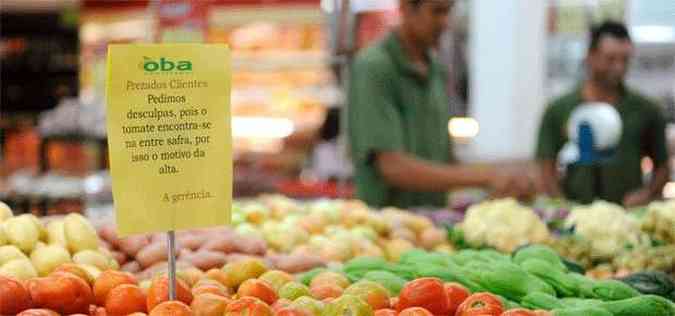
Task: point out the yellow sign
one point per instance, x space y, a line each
169 136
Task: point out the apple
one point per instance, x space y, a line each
8 253
93 258
21 232
80 235
48 258
55 233
21 269
5 212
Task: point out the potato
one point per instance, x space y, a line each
93 258
21 269
204 259
80 235
225 242
120 257
296 263
133 244
8 253
48 258
108 233
5 212
21 232
132 267
152 254
55 233
191 241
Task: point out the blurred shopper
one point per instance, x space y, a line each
398 118
643 134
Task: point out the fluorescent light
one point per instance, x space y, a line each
463 127
261 127
653 33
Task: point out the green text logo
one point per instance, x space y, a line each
165 65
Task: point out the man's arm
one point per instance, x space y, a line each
407 172
550 178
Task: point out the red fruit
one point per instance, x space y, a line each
248 305
385 312
519 312
258 289
428 293
415 311
280 303
38 312
291 311
457 293
159 292
14 297
483 304
324 291
65 293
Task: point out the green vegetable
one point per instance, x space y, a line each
356 268
450 273
581 311
645 305
512 282
579 302
417 255
538 300
613 290
492 255
390 281
540 252
564 285
651 282
585 285
465 256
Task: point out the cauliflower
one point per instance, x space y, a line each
607 226
504 224
659 221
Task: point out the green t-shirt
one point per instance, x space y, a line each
392 107
643 134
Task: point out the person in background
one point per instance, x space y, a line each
398 112
609 53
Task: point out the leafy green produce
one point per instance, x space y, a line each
512 282
645 305
390 281
581 311
540 252
564 285
651 282
538 300
613 290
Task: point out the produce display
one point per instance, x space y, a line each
533 282
503 224
288 235
659 221
29 249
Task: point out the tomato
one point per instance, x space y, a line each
483 304
415 311
457 294
428 293
519 312
385 312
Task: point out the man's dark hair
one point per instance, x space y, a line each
608 28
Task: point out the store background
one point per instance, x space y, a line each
289 61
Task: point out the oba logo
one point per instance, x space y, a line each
165 64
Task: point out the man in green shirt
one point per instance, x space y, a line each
398 118
619 179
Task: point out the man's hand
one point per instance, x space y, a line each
637 198
512 184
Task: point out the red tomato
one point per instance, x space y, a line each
483 304
428 293
415 311
385 312
519 312
457 294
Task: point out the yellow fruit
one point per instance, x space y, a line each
42 232
3 237
8 253
21 269
93 258
48 258
240 271
21 232
5 212
91 270
55 234
80 235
